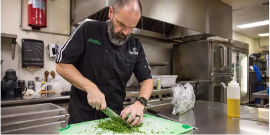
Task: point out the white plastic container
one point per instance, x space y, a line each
165 80
233 99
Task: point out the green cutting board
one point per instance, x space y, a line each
151 123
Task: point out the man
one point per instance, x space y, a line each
98 60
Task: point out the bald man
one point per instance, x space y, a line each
99 58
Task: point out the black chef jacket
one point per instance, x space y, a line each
108 66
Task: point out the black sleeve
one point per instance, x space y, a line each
73 49
142 69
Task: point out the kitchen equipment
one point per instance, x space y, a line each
151 124
21 89
158 114
165 80
209 63
13 38
49 79
43 87
8 85
240 68
49 128
29 112
49 87
19 92
37 84
52 50
114 116
46 74
31 85
32 53
30 123
158 84
53 74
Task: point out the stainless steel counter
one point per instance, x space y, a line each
53 97
262 95
32 99
211 118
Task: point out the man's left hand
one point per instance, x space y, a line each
136 111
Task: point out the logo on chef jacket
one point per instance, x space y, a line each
133 51
93 41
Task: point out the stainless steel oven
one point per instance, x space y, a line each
221 57
205 61
218 87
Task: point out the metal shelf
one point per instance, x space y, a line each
5 35
158 63
13 42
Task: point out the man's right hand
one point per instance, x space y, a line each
96 99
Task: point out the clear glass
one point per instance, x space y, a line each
236 66
244 77
217 61
218 93
228 57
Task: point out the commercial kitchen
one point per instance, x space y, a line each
202 54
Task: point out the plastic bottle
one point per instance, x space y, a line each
50 78
233 99
158 84
42 84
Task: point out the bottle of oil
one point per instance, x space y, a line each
233 99
158 84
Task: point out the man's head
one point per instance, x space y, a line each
124 16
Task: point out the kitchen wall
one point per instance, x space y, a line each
264 42
57 21
253 43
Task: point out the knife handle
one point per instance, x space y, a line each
156 113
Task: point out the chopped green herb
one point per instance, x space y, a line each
118 127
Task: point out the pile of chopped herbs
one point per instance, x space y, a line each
117 127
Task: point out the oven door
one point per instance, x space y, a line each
218 88
221 57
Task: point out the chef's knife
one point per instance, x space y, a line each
158 114
115 116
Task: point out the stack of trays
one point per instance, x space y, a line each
39 118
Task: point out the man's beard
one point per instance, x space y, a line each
118 38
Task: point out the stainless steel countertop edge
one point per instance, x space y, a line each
21 101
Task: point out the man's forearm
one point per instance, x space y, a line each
146 88
73 76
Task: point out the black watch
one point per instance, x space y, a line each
142 100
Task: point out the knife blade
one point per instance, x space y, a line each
109 112
158 114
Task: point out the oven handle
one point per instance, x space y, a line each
224 91
225 57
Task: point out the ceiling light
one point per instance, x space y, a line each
264 34
255 24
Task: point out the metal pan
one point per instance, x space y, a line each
29 112
50 128
30 123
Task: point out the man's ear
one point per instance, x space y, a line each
110 14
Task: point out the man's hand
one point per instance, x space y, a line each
134 109
96 99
